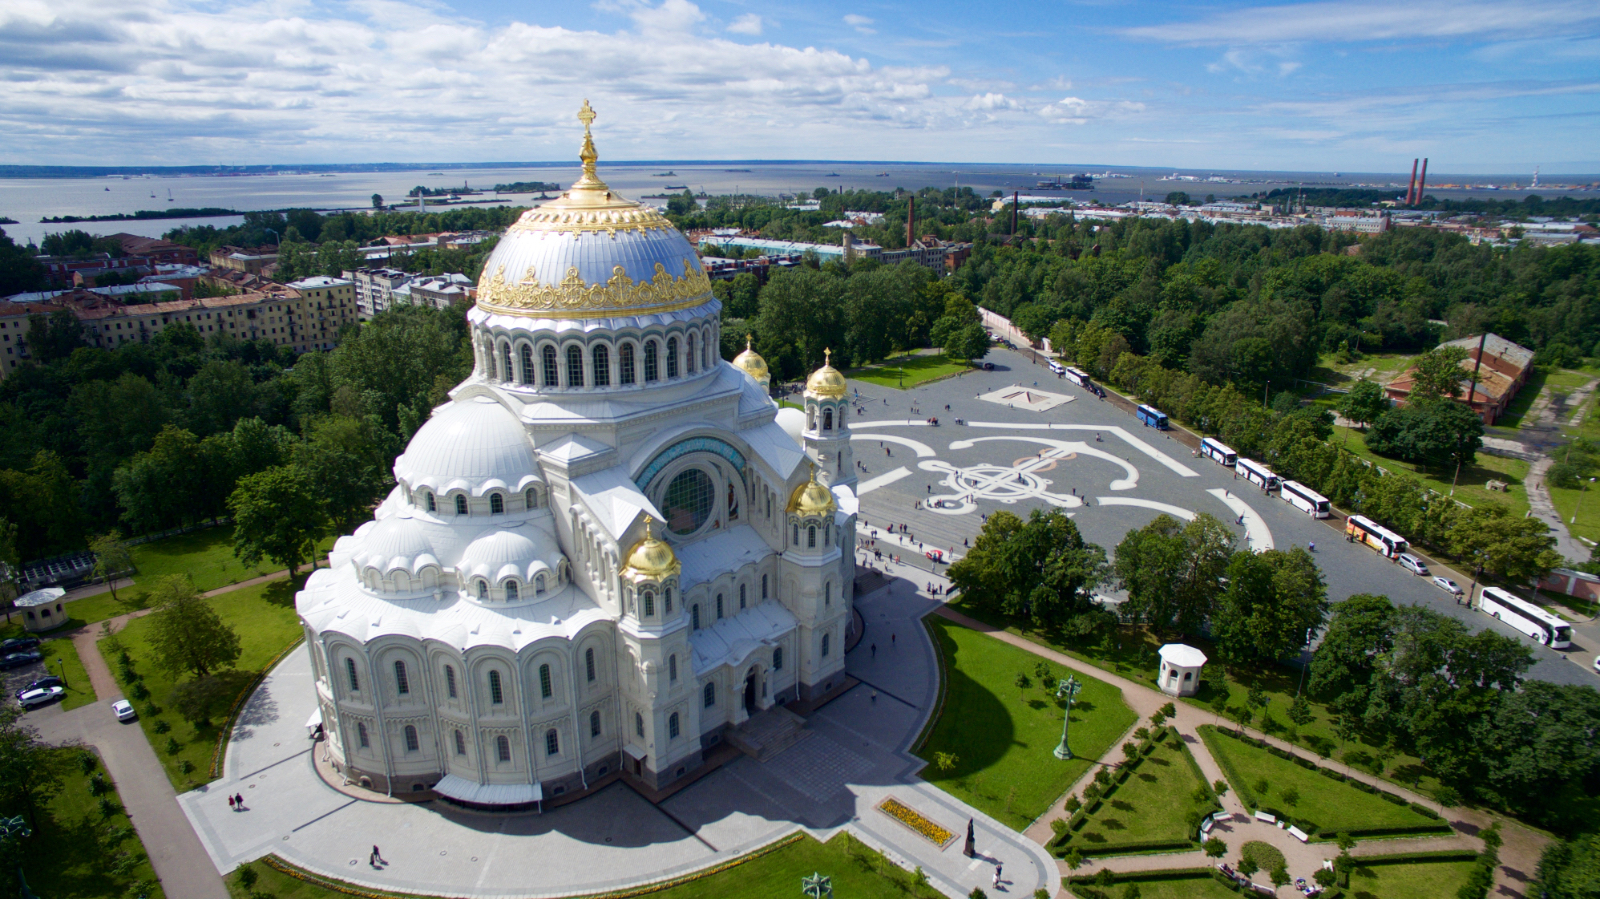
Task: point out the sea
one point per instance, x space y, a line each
27 200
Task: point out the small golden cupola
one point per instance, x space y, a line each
826 382
812 498
751 363
650 558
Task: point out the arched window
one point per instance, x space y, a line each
545 689
824 645
741 597
505 363
796 541
811 537
530 498
763 586
461 504
402 684
574 367
552 742
538 584
547 360
710 693
827 536
483 591
428 500
672 669
412 744
649 603
498 696
672 726
719 606
594 724
602 366
497 504
694 616
461 744
626 364
777 658
666 597
638 725
690 355
502 749
672 357
350 672
827 419
527 364
511 591
588 663
450 681
361 735
651 351
827 595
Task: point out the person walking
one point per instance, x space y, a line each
997 869
230 804
238 799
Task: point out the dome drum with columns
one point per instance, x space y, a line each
608 549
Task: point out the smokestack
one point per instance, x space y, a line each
911 222
1411 186
1422 182
1014 204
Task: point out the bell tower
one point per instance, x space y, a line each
827 432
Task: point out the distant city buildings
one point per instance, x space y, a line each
929 252
380 289
140 256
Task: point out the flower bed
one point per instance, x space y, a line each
913 819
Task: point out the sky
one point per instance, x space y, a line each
1491 87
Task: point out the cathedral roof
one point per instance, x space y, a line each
751 363
651 557
826 382
812 498
592 253
474 445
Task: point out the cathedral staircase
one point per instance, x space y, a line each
768 733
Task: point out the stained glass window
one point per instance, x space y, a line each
689 500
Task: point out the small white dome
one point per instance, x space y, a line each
394 543
474 445
793 422
502 554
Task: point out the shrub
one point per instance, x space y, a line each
1261 786
87 762
98 786
139 690
161 726
1058 826
186 766
247 876
1291 796
1142 733
1130 749
172 746
107 807
1073 804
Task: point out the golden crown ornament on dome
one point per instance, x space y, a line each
650 557
751 363
812 498
827 382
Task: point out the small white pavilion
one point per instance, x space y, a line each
1180 669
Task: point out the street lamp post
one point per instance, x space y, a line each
1068 690
61 669
1579 506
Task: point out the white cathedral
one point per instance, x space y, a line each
610 546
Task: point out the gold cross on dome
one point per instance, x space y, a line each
586 115
827 357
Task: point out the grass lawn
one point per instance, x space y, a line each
1003 737
1469 489
265 620
1331 805
1132 654
916 370
1421 880
856 871
1379 367
205 555
1586 507
1152 805
1176 888
78 853
61 657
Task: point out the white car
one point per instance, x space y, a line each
1447 585
41 696
123 709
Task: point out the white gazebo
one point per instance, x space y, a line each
1180 669
41 609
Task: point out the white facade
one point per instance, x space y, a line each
1180 669
511 626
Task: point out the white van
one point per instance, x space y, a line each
1412 564
1057 368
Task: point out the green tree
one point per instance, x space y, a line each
112 556
1364 403
220 393
186 633
349 460
1273 601
1439 433
30 771
377 201
1178 198
1568 869
54 336
277 514
1173 571
1438 374
967 344
1216 848
1511 547
1041 570
199 700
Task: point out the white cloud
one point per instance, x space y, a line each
1372 21
992 101
860 23
1078 111
749 23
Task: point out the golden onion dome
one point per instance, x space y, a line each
650 557
751 363
812 498
826 382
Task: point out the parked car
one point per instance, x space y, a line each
40 684
1412 564
17 644
18 659
123 709
1447 585
36 698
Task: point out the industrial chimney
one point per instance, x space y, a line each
1422 181
1411 186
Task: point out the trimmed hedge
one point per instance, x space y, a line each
1395 798
1403 858
1144 876
1417 831
1424 811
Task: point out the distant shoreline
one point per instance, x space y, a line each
268 171
143 215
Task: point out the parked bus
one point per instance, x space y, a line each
1151 417
1080 378
1056 368
1526 617
1364 530
1258 474
1217 452
1304 498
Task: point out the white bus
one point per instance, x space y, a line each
1526 617
1217 452
1304 498
1257 474
1056 368
1364 530
1080 378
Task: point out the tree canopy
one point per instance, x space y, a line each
186 633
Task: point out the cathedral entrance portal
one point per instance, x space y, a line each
750 690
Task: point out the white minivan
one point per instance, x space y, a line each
1412 564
